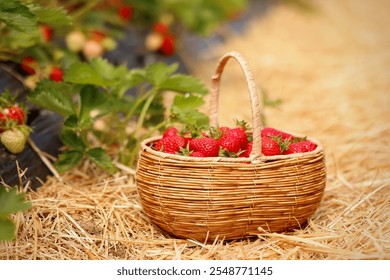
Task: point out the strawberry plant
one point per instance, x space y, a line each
11 202
109 109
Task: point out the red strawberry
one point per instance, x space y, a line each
56 74
272 132
15 113
28 65
170 145
230 143
47 32
125 13
196 154
170 131
98 36
2 121
270 147
233 139
223 129
247 150
160 28
168 45
240 134
300 147
209 147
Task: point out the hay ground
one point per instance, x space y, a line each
331 69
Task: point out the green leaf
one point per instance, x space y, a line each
187 102
72 140
68 160
11 201
91 98
184 83
84 73
185 110
72 123
107 70
134 77
18 16
101 159
7 229
157 73
53 96
55 17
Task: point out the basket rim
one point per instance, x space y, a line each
252 159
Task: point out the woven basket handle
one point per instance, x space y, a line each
254 98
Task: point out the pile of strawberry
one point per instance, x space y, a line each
230 142
14 132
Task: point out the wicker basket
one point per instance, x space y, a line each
230 198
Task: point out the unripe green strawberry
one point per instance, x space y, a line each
75 41
13 140
109 44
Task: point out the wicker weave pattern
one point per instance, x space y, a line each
205 198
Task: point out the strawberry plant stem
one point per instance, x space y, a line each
85 9
137 103
144 110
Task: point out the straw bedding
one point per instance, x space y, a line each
342 100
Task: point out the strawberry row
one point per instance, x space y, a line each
230 142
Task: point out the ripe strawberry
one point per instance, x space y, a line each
300 147
209 147
125 13
3 121
29 65
56 74
98 36
161 28
269 146
170 145
75 41
13 140
230 143
46 32
170 131
240 134
247 150
272 132
196 154
15 113
168 45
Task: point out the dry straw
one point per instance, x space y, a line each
230 198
